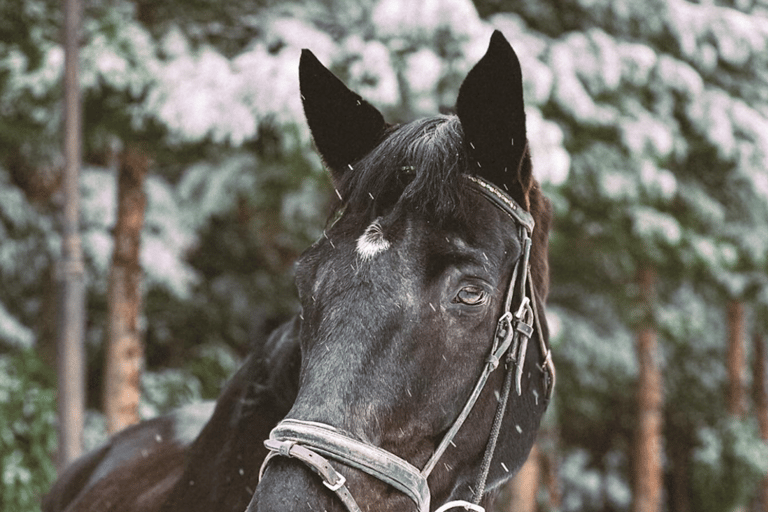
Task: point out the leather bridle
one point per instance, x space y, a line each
314 443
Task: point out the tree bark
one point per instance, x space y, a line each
125 351
736 360
647 463
760 382
679 454
523 489
519 494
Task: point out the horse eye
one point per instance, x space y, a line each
471 296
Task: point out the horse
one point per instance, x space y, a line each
415 375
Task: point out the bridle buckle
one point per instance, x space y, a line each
502 339
338 485
525 307
504 325
460 503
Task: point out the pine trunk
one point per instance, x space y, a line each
125 352
519 494
736 365
736 360
760 380
647 464
523 489
679 454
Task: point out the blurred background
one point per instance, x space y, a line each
648 123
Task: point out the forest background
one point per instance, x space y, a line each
648 123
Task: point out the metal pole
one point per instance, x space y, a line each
70 353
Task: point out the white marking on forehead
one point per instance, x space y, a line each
372 241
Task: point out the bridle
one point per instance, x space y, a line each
314 443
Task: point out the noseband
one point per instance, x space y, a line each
313 443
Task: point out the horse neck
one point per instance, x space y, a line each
229 450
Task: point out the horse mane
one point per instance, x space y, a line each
541 210
417 164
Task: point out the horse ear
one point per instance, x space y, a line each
344 126
490 108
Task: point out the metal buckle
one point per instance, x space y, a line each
338 485
502 339
504 325
525 307
460 503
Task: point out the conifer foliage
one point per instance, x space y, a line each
648 127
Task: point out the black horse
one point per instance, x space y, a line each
381 393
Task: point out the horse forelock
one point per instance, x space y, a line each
418 165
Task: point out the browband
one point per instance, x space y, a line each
503 201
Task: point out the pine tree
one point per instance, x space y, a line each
760 383
648 469
737 360
125 350
521 493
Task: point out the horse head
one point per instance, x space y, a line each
433 274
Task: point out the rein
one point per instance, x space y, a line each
311 442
